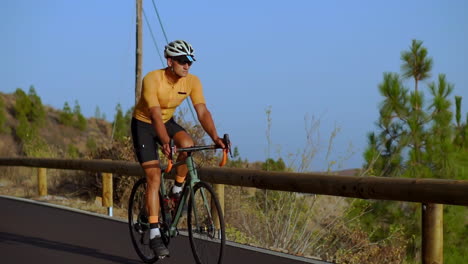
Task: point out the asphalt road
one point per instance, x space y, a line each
35 232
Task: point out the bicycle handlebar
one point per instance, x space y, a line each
223 162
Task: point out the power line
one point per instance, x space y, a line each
160 22
167 41
154 39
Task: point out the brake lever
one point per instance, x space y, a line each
227 143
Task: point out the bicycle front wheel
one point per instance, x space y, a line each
138 222
205 225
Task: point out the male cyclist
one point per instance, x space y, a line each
153 123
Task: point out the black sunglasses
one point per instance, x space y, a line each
182 61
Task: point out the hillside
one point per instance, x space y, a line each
60 138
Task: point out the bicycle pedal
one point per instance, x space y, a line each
138 228
162 257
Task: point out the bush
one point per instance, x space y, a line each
25 131
75 118
80 123
79 120
3 118
66 116
37 113
23 104
73 151
91 145
122 123
455 234
29 106
118 150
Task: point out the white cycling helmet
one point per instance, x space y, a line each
179 48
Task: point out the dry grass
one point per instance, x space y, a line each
22 182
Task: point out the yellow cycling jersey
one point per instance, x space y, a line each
159 90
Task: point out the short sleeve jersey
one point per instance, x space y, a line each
159 91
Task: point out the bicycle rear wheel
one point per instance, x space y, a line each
206 225
138 222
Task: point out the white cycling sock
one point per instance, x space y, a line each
154 232
176 189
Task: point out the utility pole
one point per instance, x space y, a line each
139 51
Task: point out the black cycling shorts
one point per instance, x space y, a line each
145 140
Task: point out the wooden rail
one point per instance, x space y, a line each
453 192
431 193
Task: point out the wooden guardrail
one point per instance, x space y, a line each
431 193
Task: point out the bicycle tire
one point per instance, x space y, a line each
206 240
138 222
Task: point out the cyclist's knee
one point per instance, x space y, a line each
183 140
154 180
152 172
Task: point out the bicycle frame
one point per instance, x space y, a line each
187 192
204 217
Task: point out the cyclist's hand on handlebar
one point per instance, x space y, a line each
166 149
219 142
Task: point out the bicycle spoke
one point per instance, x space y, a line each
138 222
205 225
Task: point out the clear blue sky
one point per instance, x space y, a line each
321 59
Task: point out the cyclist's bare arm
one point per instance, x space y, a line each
156 120
204 116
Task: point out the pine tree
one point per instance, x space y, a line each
416 64
66 116
22 105
3 118
441 148
384 154
460 140
79 120
403 120
120 126
98 114
415 140
37 113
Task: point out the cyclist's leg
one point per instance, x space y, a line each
145 144
153 177
182 140
146 150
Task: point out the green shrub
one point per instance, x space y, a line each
121 124
66 116
73 151
79 121
30 106
3 118
37 112
25 131
38 148
455 234
23 104
91 145
73 118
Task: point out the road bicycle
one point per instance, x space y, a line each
205 222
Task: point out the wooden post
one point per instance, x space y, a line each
139 50
219 190
107 192
432 233
42 181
